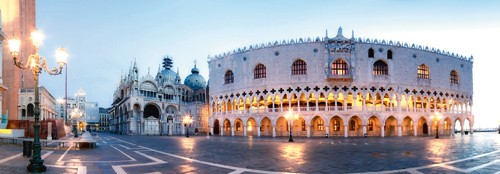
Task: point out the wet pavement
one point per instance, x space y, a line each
477 153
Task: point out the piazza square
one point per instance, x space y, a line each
248 87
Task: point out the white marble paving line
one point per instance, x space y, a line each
129 148
119 168
11 157
124 141
237 169
80 169
444 165
130 158
45 155
64 154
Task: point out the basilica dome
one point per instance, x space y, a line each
195 81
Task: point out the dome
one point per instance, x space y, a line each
195 81
168 76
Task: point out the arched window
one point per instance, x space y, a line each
30 110
339 67
303 125
389 54
336 125
228 77
380 68
371 53
454 77
320 125
423 72
259 71
299 67
352 125
238 126
370 125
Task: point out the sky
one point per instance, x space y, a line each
104 37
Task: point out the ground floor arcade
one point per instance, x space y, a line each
341 125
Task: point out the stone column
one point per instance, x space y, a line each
400 131
211 130
462 128
49 131
308 128
170 127
327 130
346 133
274 131
258 132
364 130
415 129
471 129
232 130
221 130
383 130
244 130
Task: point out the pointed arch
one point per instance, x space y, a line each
453 77
408 127
299 67
380 68
259 71
339 67
371 53
423 72
228 77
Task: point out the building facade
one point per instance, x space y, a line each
339 87
27 104
150 105
18 19
103 119
82 113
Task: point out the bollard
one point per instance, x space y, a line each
27 148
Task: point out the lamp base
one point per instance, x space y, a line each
36 166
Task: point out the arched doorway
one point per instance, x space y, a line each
318 126
151 122
227 127
216 127
251 127
265 127
373 126
238 127
423 128
354 128
281 127
151 111
458 127
408 127
391 125
336 126
447 129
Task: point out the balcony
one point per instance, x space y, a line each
337 77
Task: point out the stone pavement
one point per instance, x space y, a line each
478 153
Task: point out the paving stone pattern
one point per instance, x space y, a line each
478 153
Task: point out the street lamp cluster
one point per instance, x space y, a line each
36 64
290 116
187 120
76 115
436 117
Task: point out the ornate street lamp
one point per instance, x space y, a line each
290 116
76 114
436 117
187 122
36 63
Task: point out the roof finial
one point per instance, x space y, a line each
352 35
148 69
195 63
326 33
339 32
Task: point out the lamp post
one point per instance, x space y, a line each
187 122
436 117
36 63
290 116
75 114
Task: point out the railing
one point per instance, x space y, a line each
321 108
312 109
349 107
387 109
303 109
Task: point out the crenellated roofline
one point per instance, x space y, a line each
326 39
